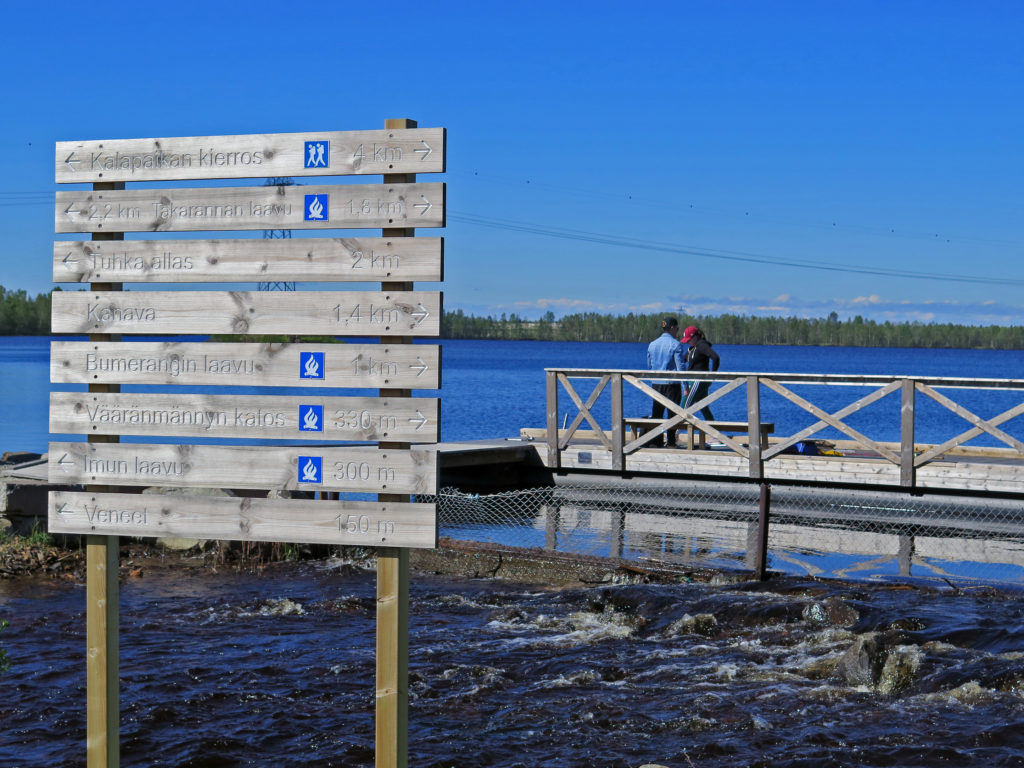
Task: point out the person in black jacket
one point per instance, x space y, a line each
701 356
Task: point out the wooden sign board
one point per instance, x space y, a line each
331 313
350 206
328 153
361 469
319 259
257 365
346 523
263 417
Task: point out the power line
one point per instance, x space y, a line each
648 245
10 199
746 212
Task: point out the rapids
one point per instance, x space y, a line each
276 669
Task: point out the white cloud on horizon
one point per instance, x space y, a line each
873 307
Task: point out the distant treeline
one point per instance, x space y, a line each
736 329
22 316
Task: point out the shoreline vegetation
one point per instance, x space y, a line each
736 329
21 315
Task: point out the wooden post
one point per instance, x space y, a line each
618 427
392 708
618 533
753 545
392 701
905 556
754 427
551 387
102 613
763 514
551 522
908 475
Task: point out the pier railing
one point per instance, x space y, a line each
601 414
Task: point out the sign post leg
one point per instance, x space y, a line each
392 711
103 676
392 701
102 660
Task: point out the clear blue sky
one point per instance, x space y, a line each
783 158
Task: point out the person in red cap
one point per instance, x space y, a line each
701 356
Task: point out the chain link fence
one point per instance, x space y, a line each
826 532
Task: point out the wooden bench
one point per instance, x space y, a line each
640 426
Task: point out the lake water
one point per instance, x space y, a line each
275 668
494 388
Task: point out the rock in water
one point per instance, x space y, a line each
877 660
862 663
901 667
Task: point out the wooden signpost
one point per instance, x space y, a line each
197 261
393 423
335 313
196 517
239 208
330 153
284 468
276 365
262 417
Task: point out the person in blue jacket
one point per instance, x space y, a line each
665 353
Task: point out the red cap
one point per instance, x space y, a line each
690 332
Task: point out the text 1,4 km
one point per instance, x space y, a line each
374 315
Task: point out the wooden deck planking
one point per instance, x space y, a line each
982 474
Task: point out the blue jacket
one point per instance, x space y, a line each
665 353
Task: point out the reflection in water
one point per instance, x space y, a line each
277 669
817 532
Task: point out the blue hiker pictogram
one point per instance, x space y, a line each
317 154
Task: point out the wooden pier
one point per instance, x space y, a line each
602 437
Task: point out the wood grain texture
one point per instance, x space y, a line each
320 259
420 150
344 523
262 417
796 378
332 313
358 469
240 208
103 705
974 475
248 364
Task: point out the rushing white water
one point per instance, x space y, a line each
276 668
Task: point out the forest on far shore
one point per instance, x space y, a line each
736 329
22 315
